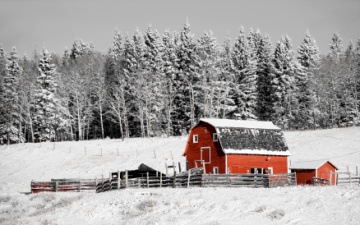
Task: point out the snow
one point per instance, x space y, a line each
19 164
309 165
240 123
256 152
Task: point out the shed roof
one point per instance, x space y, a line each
240 123
249 137
310 165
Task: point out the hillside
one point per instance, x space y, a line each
19 164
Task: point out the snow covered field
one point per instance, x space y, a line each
19 164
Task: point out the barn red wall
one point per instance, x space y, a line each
244 163
304 177
324 172
192 151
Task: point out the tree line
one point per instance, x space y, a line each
149 84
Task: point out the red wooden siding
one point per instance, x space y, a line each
197 151
304 177
324 172
244 163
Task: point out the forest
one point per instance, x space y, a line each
150 84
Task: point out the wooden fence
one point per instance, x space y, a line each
63 185
200 180
345 178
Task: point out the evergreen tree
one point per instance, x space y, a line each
225 85
186 82
49 113
244 60
10 125
308 57
282 95
209 62
169 65
265 71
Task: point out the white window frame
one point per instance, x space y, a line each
195 138
271 170
216 170
215 137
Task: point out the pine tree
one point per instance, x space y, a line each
265 71
186 80
10 126
169 65
209 58
244 60
49 113
155 81
308 57
282 95
225 85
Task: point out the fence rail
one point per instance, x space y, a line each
63 185
203 180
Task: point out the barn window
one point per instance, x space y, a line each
257 170
216 170
195 138
215 137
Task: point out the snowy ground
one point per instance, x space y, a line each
19 164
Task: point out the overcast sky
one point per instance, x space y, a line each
55 24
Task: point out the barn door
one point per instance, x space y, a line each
205 154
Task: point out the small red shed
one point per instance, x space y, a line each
237 147
306 171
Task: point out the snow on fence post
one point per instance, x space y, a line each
357 171
166 168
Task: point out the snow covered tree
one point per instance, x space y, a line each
283 88
265 71
169 65
10 124
244 60
225 85
209 62
155 81
308 57
186 81
49 113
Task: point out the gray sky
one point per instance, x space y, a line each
55 24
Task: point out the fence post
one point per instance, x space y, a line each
147 179
357 171
126 179
166 167
188 180
350 177
179 167
160 180
174 180
80 185
330 178
118 180
56 186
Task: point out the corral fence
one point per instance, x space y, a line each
198 180
346 178
64 185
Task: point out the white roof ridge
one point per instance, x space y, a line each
229 123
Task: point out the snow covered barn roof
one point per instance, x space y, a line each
249 137
311 165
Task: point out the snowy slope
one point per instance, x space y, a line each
19 164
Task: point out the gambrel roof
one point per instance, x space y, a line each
249 137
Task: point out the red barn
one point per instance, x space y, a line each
237 146
306 171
